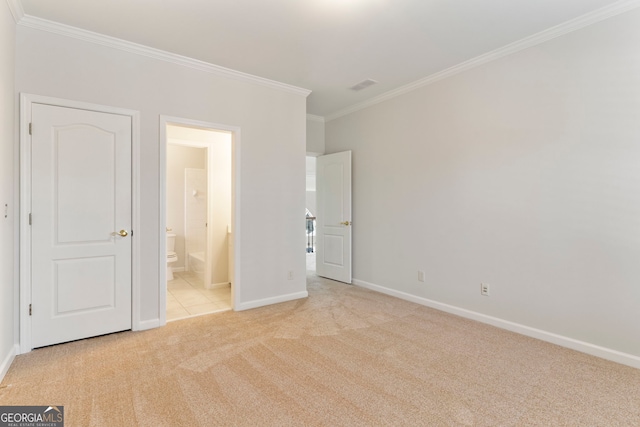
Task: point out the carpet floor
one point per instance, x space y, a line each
345 356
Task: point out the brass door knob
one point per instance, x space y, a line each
123 233
347 223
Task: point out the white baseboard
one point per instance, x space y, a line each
7 361
217 285
273 300
581 346
143 325
177 269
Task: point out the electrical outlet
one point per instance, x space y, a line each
290 275
420 276
484 289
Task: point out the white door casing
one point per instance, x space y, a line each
333 186
81 269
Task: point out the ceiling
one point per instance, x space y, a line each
326 46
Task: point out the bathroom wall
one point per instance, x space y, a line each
179 158
220 204
195 215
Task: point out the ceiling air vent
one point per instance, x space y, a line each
363 85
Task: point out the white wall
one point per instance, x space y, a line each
311 184
180 157
8 321
220 205
195 216
272 149
523 173
315 135
315 146
311 202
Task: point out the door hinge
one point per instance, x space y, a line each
30 128
30 311
29 218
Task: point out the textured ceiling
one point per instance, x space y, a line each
326 46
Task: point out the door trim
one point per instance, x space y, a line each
26 102
235 205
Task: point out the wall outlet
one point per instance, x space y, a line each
484 289
290 275
420 276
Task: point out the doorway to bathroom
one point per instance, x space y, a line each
199 219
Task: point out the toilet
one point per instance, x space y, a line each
171 255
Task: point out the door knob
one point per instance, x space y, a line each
123 233
346 223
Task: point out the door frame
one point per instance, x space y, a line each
162 208
26 102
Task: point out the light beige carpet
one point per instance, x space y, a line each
345 356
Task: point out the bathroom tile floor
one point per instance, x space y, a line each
187 297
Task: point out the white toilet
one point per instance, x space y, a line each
171 255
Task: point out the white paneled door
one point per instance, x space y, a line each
333 224
81 223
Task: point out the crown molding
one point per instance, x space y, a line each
313 118
16 10
533 40
138 49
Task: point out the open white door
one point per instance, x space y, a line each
81 223
333 224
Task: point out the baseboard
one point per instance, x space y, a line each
217 285
177 269
268 301
7 361
581 346
143 325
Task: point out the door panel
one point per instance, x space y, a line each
333 186
81 199
74 294
90 217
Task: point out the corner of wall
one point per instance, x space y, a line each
7 361
16 10
563 341
315 135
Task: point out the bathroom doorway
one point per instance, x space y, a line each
199 219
